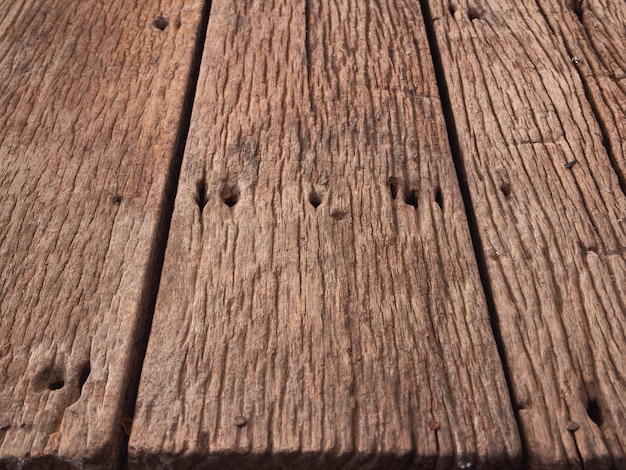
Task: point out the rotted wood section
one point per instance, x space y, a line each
91 97
536 94
320 303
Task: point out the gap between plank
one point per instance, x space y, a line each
467 202
157 254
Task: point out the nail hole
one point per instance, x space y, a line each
201 198
56 385
505 188
393 187
116 199
161 23
439 198
339 215
474 14
594 412
411 198
230 195
85 370
315 199
50 377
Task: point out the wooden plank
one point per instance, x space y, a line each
320 304
91 97
550 214
594 34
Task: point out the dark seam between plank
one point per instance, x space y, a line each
453 141
157 252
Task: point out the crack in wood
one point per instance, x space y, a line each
308 46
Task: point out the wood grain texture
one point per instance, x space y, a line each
594 34
320 304
552 232
91 95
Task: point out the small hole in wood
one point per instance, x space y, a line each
474 14
339 215
451 10
117 199
51 378
161 23
411 198
201 198
230 195
439 198
56 385
315 199
594 412
85 370
393 187
505 188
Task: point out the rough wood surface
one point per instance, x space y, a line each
550 217
91 94
594 34
320 303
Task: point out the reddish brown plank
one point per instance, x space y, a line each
320 303
91 96
549 213
594 34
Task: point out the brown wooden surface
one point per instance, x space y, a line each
319 279
552 234
91 95
594 35
320 304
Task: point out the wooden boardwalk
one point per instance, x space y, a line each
299 234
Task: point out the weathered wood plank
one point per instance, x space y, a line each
552 231
91 96
594 34
320 304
